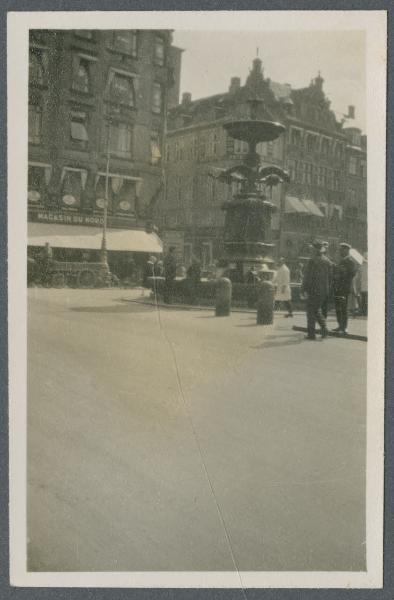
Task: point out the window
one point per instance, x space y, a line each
36 183
159 51
308 173
291 166
195 147
215 144
155 148
122 89
71 188
295 137
35 124
36 66
330 179
363 168
206 252
311 143
126 41
78 129
353 165
187 254
270 149
325 146
336 181
352 196
157 98
321 177
81 81
120 139
211 189
124 194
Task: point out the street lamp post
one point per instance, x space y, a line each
104 254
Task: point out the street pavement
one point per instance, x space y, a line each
164 439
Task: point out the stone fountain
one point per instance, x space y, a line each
248 214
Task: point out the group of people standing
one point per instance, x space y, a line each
322 280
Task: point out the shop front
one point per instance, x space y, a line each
128 249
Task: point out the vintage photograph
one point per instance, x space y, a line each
197 299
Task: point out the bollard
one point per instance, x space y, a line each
265 303
223 297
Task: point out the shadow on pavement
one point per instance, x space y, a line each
126 307
282 340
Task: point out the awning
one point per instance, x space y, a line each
294 205
313 208
306 207
89 238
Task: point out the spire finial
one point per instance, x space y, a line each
257 51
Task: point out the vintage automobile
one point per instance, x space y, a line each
58 274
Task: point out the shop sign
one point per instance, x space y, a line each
48 216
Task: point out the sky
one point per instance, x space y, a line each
211 58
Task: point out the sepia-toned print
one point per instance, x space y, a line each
199 304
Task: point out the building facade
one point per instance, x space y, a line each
314 150
97 105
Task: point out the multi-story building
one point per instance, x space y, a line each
355 193
313 150
97 105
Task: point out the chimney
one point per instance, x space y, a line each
186 98
351 112
235 84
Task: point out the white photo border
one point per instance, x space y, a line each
375 25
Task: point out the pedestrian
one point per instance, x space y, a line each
159 268
283 290
316 287
344 273
149 271
363 285
169 274
252 277
193 277
324 307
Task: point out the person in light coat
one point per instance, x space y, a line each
282 282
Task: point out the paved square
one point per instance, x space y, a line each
174 440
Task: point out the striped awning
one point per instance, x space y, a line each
305 207
313 208
89 238
294 205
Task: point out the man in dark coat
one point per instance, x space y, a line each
316 286
193 278
169 274
344 272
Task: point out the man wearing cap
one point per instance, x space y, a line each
170 266
316 287
344 272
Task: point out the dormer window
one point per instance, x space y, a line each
126 41
81 81
122 90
